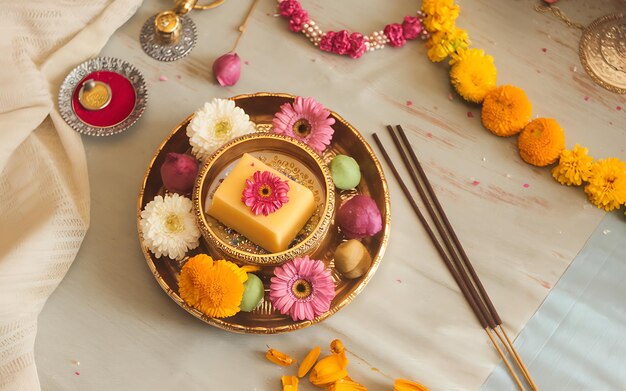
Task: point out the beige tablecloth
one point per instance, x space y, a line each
44 191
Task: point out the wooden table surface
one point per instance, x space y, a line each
519 226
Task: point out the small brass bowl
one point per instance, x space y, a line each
287 155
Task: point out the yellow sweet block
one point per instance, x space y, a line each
273 232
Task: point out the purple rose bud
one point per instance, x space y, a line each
227 69
179 172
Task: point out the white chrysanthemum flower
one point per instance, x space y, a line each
169 226
215 124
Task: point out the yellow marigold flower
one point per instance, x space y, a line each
541 142
407 385
574 167
329 369
440 15
290 383
473 74
607 184
213 287
443 43
506 110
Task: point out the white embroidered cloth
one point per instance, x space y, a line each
44 189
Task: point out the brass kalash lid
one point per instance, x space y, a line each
171 35
603 52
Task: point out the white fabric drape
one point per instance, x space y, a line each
44 189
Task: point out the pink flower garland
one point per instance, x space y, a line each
350 44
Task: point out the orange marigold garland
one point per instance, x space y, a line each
607 184
541 142
473 74
574 167
506 110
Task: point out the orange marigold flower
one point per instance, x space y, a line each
506 110
607 184
329 369
574 167
213 287
541 142
473 74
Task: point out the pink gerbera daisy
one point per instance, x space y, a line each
306 120
302 288
265 193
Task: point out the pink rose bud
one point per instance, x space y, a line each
227 69
179 172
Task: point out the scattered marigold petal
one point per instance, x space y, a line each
346 384
309 361
506 110
541 142
336 346
290 383
280 358
407 385
328 370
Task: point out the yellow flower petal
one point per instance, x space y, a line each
346 384
290 383
407 385
309 361
329 369
336 346
280 358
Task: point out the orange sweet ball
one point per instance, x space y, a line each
506 110
541 142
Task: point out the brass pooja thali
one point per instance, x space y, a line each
261 108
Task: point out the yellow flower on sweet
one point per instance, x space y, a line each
607 184
473 74
574 167
440 15
506 110
443 43
541 142
213 287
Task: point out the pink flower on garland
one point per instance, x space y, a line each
341 42
265 193
302 288
357 45
306 120
411 27
326 43
395 34
286 8
298 18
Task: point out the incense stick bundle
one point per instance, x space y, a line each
454 257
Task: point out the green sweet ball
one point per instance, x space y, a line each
345 171
253 292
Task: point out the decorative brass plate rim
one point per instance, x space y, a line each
227 325
585 43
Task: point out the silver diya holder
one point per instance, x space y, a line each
75 80
171 35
